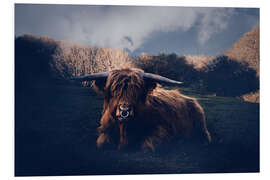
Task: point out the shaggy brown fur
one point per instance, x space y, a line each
156 114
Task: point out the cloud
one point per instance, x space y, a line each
118 26
213 22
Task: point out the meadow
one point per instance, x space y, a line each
56 125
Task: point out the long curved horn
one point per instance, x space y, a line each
95 76
161 79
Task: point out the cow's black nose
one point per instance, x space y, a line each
124 114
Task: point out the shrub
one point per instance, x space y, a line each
32 58
170 66
40 59
229 77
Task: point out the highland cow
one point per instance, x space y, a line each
138 112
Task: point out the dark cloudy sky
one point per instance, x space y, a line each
194 31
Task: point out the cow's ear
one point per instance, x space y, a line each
150 85
99 86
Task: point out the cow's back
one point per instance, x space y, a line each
182 114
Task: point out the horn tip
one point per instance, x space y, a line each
178 83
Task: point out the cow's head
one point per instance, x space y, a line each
125 91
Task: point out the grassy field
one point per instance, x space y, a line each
55 131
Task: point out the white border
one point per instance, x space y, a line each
202 3
7 83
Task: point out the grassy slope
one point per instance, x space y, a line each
56 133
248 49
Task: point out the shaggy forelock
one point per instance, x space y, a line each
125 84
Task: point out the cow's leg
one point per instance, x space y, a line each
198 117
150 142
102 139
206 133
203 129
104 129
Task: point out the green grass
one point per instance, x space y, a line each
56 134
229 112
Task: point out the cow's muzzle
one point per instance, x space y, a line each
124 111
124 114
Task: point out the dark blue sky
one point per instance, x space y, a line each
183 30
